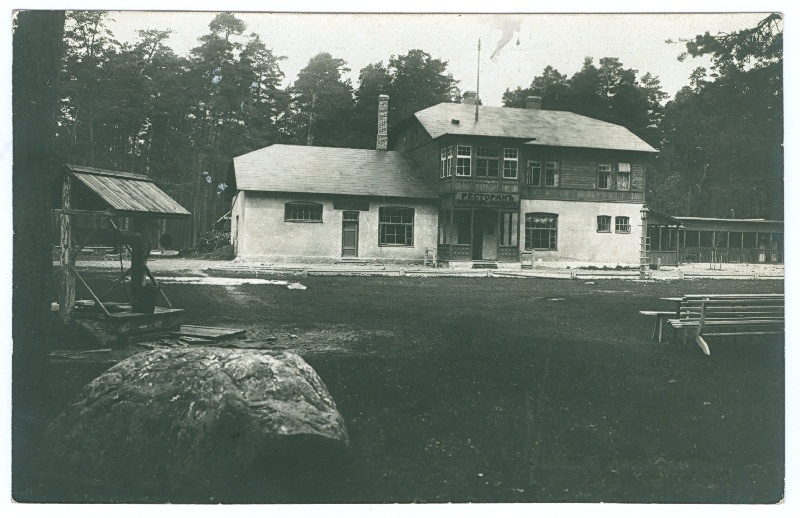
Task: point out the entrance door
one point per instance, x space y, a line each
350 233
477 235
484 235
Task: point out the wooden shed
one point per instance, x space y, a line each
730 240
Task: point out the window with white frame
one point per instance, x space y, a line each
540 231
463 160
623 176
533 175
443 163
395 226
604 176
487 162
510 163
303 212
622 224
551 173
604 223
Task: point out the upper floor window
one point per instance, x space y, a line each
622 224
551 174
510 161
604 223
533 175
540 231
395 226
446 162
604 176
303 212
487 162
623 176
463 160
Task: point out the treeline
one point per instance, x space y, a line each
720 139
181 119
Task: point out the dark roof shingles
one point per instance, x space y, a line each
538 127
323 170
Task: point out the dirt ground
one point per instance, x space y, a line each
505 390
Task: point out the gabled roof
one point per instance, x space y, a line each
538 127
127 193
326 170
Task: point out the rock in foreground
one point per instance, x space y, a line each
200 424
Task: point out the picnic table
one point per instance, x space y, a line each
722 315
662 316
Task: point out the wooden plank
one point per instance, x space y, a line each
79 212
213 333
91 292
737 333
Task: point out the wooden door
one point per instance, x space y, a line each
350 233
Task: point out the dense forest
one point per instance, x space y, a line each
140 107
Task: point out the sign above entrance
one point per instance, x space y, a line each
487 199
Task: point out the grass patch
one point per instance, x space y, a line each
518 390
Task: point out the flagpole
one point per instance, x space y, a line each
478 85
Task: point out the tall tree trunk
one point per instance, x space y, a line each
37 48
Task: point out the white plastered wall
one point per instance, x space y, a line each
578 240
264 235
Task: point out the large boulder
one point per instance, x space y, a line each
201 424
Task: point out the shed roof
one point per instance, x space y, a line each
655 217
730 224
127 193
325 170
538 127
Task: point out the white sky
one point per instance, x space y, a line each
559 40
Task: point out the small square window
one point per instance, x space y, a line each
510 161
604 223
487 162
622 224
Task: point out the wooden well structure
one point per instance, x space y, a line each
89 201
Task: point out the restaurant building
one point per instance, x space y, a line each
460 181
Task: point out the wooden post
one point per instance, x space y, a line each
140 249
643 264
66 298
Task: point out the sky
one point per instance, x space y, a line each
536 40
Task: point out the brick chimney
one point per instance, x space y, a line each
533 102
470 97
383 121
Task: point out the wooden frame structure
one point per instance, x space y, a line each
100 195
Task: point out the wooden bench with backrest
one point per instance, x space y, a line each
729 315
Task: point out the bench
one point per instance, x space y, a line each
729 315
